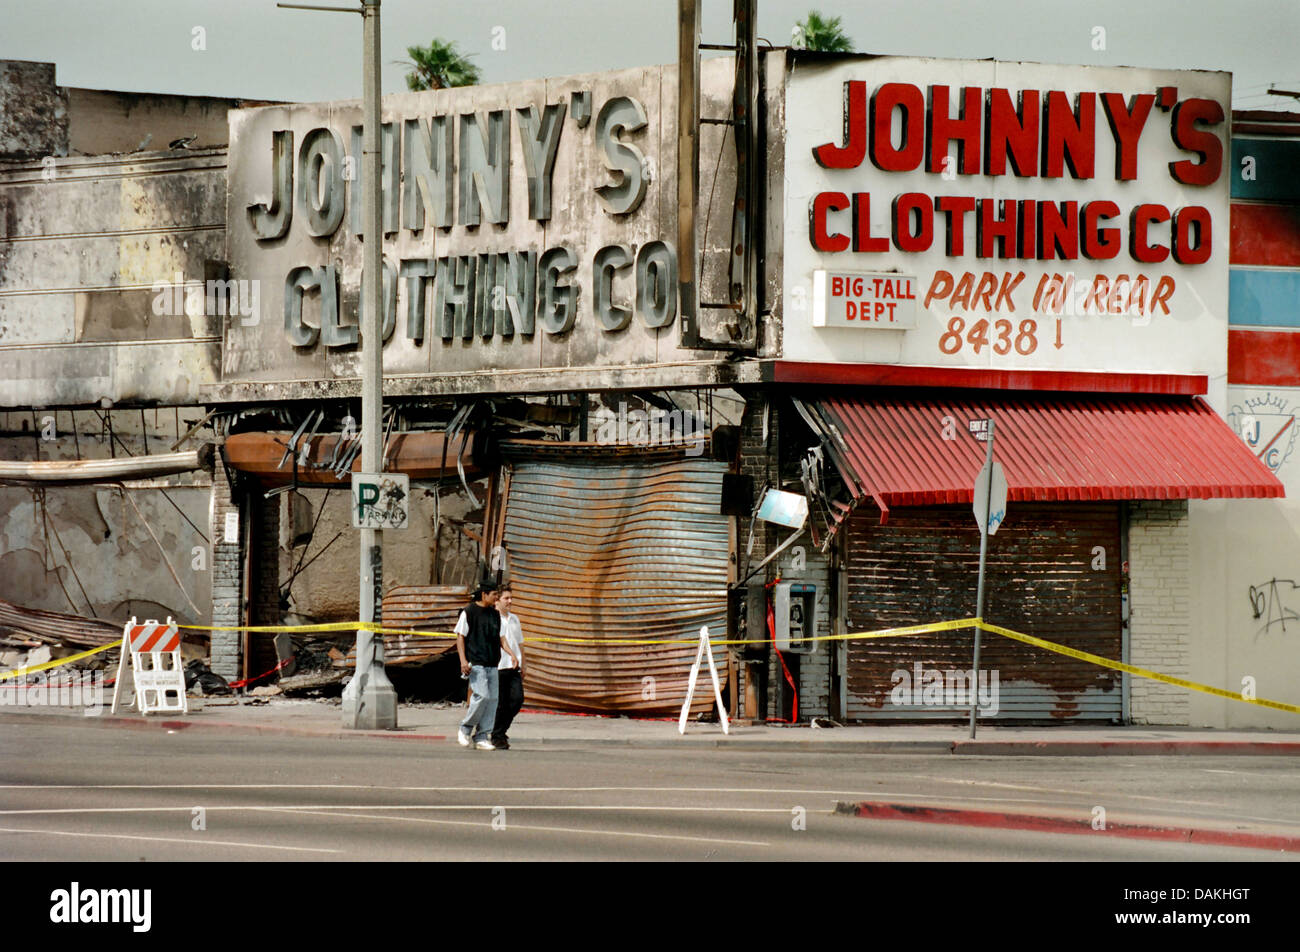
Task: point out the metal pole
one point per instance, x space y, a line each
979 596
370 702
688 164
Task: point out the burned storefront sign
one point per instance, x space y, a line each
527 226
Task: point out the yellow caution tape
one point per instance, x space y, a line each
1133 669
848 636
380 630
326 626
724 642
20 672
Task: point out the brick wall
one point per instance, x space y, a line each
226 578
762 460
265 568
758 461
814 667
1159 598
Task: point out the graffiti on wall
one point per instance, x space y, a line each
1268 601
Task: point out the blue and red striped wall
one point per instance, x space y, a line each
1264 260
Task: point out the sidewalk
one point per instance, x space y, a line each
430 724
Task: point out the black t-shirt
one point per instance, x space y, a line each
483 643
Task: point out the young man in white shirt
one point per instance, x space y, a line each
510 672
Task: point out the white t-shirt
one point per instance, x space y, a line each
514 635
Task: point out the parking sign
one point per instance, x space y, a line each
380 500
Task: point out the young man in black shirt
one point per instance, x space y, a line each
478 642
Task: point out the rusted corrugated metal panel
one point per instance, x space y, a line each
1052 447
75 631
421 608
922 566
616 550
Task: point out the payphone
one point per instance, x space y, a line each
794 616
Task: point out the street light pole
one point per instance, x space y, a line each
370 702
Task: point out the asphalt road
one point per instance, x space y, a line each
76 793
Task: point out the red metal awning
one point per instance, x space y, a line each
919 451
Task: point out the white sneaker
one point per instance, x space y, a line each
462 736
486 745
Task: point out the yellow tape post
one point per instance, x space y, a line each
20 672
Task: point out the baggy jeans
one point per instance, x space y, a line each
481 717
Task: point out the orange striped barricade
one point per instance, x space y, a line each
150 668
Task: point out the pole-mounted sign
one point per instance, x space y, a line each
380 500
989 501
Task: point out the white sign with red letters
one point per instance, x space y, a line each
1044 217
855 299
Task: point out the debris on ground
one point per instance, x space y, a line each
313 683
199 676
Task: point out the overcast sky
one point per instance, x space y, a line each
256 51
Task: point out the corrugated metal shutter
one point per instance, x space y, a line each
417 608
616 549
922 566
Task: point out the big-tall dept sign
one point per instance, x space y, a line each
525 226
1007 215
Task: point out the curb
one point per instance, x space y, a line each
140 723
1040 823
982 748
1125 748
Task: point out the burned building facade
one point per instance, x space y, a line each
620 309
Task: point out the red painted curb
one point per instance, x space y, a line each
879 810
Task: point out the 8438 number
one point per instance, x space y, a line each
1005 336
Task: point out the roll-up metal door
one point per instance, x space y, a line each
625 550
1053 571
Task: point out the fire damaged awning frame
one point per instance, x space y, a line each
79 471
916 450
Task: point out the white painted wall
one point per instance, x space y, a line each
1238 544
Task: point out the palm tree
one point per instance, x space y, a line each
824 34
439 66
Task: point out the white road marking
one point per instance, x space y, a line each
843 793
1035 789
192 841
403 806
1242 773
529 829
